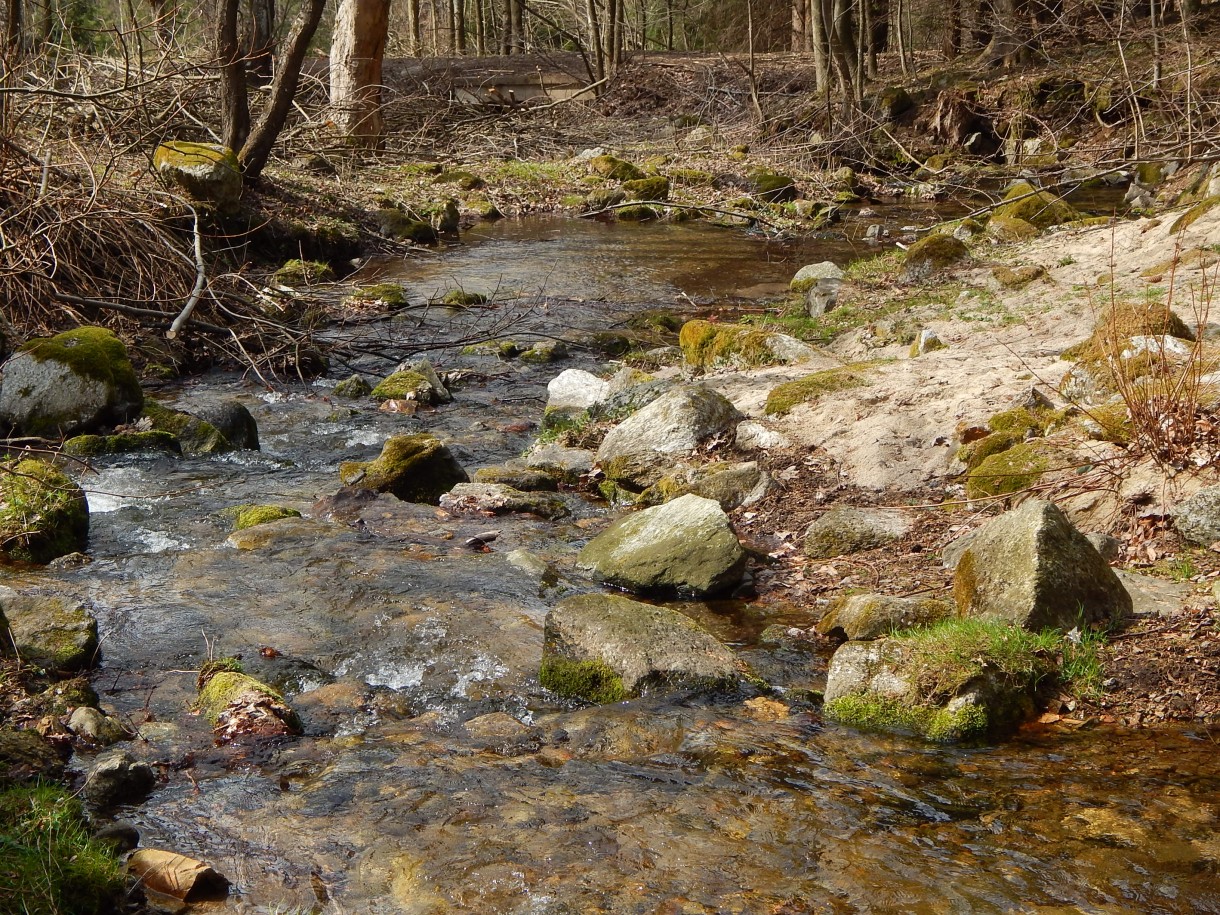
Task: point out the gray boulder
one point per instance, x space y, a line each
498 499
864 617
49 631
1030 566
603 648
118 777
525 479
567 465
807 277
686 545
844 530
78 381
639 450
415 468
1198 518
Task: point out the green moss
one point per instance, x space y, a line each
785 396
390 295
1015 279
403 226
211 668
1010 228
208 173
602 199
467 181
92 352
297 272
43 514
251 515
870 713
637 213
460 298
226 687
591 681
1102 352
122 443
773 188
415 468
403 385
1113 421
544 352
932 253
49 865
614 168
690 176
1011 470
1041 209
705 344
1192 215
353 388
656 188
195 436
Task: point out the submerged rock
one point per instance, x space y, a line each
498 499
605 648
43 514
1030 566
642 448
415 468
77 381
686 545
118 777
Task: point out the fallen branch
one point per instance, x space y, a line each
751 217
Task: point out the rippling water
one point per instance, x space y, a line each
396 641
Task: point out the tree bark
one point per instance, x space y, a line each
260 38
257 149
356 52
595 40
14 28
414 31
234 105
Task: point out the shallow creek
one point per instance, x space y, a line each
391 634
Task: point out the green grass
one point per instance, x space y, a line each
48 863
950 653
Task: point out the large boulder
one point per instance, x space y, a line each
50 632
500 499
43 514
575 390
206 173
639 451
686 545
194 434
1031 567
77 381
845 529
230 417
415 468
603 648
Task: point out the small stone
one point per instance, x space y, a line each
96 726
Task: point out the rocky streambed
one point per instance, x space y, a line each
437 765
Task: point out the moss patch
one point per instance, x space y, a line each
870 713
803 390
1010 228
935 252
415 468
251 515
705 344
195 435
388 295
1011 470
614 168
1011 278
460 298
297 272
1193 214
49 865
43 514
655 188
404 385
591 681
92 352
773 188
122 443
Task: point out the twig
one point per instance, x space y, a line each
201 276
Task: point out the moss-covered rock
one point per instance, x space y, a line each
706 345
731 485
1010 470
49 631
1010 228
526 479
637 213
194 435
544 352
784 397
773 188
460 298
1041 209
297 272
393 222
24 758
251 515
207 173
846 529
604 199
43 514
614 168
381 295
653 188
892 102
603 648
406 385
122 443
238 706
467 181
353 388
932 254
864 617
1108 351
76 381
1193 214
1011 278
414 468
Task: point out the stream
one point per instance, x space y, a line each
404 650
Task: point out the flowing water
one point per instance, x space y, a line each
396 642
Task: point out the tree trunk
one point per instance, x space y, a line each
953 30
415 42
800 26
819 41
480 27
260 38
234 105
516 17
595 40
257 149
14 28
356 52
